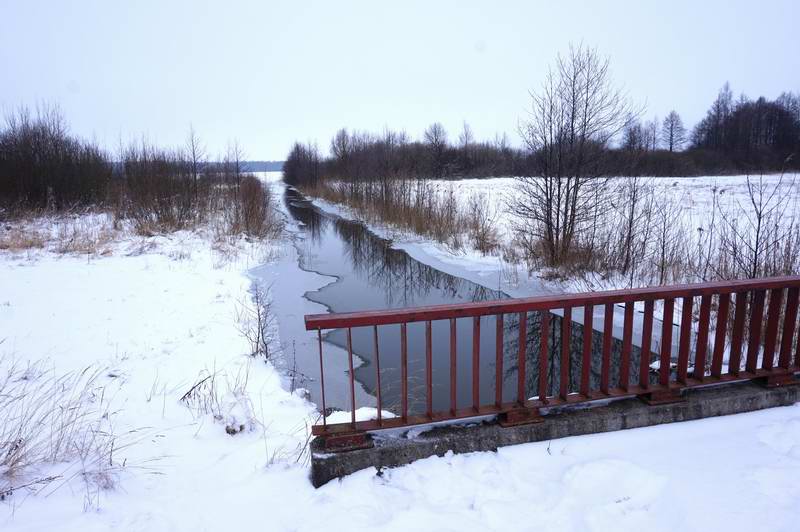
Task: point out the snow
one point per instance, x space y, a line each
158 313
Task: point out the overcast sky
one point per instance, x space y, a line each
268 74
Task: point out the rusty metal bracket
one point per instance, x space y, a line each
519 416
773 381
351 441
662 397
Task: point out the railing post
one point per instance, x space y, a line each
378 376
586 361
701 347
498 383
404 371
627 347
453 363
647 340
664 393
566 359
428 370
608 330
520 414
476 363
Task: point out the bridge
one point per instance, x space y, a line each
580 348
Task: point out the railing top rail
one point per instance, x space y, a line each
549 302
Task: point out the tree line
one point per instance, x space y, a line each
45 168
391 154
741 136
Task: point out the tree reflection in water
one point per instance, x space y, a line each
373 275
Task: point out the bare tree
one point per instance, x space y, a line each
634 136
574 117
672 131
465 142
669 242
465 138
651 137
233 162
341 145
754 241
436 138
634 204
197 154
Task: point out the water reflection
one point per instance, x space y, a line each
372 275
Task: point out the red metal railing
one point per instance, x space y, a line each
746 299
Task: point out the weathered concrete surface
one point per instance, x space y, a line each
396 448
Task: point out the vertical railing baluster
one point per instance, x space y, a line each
608 331
543 355
789 325
476 362
453 366
647 340
523 344
719 335
352 377
665 361
322 379
586 362
685 339
756 319
771 333
566 336
498 362
378 376
429 369
627 345
701 346
404 370
739 314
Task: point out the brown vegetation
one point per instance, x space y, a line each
47 173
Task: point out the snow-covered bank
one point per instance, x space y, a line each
157 312
153 316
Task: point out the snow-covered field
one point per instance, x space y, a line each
154 315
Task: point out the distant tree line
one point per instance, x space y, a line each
742 136
360 156
43 167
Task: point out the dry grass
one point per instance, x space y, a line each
54 429
224 396
84 237
417 206
257 323
16 238
86 234
250 212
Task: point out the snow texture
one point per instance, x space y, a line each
159 312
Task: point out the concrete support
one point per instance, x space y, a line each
396 449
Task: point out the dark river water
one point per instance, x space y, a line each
371 275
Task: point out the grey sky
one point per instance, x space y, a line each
269 73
